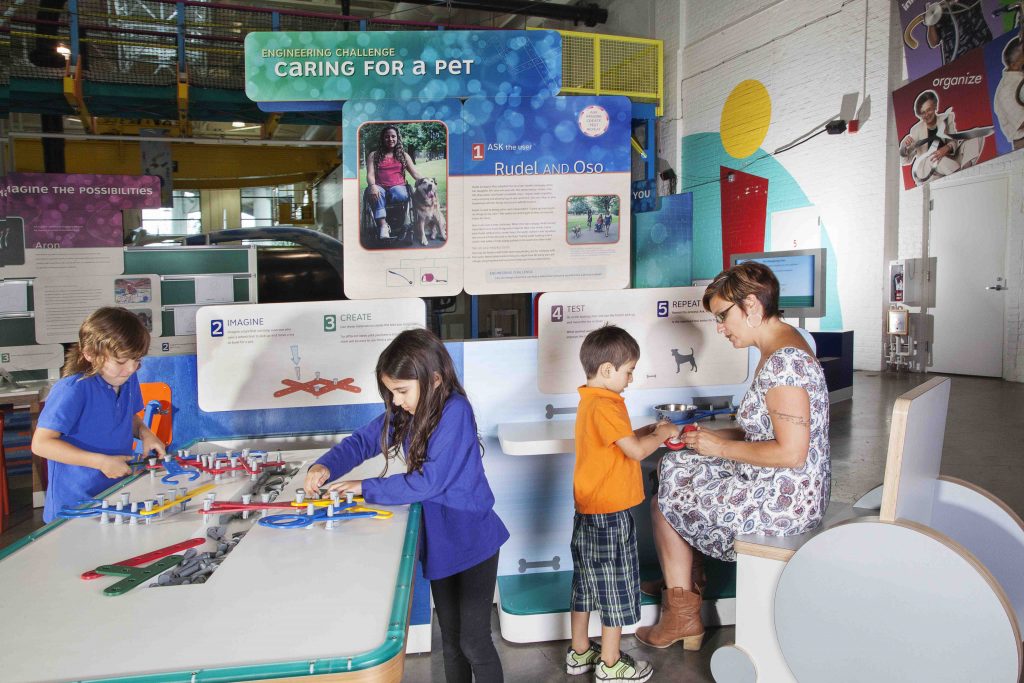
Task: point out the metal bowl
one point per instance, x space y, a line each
675 411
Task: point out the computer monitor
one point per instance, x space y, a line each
801 275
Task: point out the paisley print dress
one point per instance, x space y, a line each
709 500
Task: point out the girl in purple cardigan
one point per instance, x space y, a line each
427 415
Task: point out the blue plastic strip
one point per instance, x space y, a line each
73 29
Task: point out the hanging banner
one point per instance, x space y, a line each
332 66
546 194
309 354
403 232
1004 72
68 224
938 33
679 346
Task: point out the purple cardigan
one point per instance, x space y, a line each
460 527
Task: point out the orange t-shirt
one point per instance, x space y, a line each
605 479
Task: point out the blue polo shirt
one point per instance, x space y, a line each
460 527
89 414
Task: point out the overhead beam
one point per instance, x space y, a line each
588 14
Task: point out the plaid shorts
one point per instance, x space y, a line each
606 573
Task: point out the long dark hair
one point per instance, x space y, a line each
399 152
415 355
108 332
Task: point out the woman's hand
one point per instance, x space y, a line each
315 478
704 441
343 487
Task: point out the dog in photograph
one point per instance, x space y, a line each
428 219
683 358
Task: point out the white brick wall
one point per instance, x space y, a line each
808 54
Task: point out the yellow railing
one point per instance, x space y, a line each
596 64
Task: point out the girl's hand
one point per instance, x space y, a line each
343 487
315 478
704 441
114 466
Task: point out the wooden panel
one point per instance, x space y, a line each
915 452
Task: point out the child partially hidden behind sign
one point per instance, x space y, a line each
606 483
87 425
427 415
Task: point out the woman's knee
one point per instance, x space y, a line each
398 193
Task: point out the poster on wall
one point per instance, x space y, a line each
403 228
664 243
944 121
69 223
328 67
937 33
320 353
36 357
1004 72
679 346
546 194
61 303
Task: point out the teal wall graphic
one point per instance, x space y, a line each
703 155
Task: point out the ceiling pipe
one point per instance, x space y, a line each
225 141
589 14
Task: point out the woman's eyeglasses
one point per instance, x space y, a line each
720 317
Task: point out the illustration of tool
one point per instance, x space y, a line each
318 386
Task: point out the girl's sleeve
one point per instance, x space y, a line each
362 444
63 408
453 442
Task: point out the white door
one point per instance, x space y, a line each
967 235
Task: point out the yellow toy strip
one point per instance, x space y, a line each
178 501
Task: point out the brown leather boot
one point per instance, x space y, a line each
680 620
700 580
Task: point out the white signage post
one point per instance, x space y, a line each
297 354
678 343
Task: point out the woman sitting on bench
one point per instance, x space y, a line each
770 476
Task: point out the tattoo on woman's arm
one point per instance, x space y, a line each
795 419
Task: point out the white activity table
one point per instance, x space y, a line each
284 603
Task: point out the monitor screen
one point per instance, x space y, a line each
801 275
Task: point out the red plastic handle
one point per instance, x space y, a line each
671 444
150 556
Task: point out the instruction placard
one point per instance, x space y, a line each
679 346
62 304
296 354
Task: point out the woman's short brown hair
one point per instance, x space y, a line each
742 280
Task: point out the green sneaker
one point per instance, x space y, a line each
626 669
577 663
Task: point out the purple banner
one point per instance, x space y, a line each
77 211
937 33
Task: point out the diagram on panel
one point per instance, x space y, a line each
317 386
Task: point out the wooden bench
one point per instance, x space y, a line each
925 587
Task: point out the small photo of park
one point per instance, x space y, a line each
592 219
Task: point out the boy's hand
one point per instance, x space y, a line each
151 442
666 430
114 466
315 478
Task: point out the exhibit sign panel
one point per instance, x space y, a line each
62 303
37 357
69 224
546 194
328 67
296 355
679 345
402 181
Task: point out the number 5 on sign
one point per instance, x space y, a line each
662 309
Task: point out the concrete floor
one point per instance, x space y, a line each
983 444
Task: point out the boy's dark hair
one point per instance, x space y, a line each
608 344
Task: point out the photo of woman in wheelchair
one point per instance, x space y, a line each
387 192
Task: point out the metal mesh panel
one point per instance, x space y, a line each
577 62
291 22
629 67
33 40
213 44
128 41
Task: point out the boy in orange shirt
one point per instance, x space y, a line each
606 483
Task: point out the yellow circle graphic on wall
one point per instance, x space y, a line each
745 118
